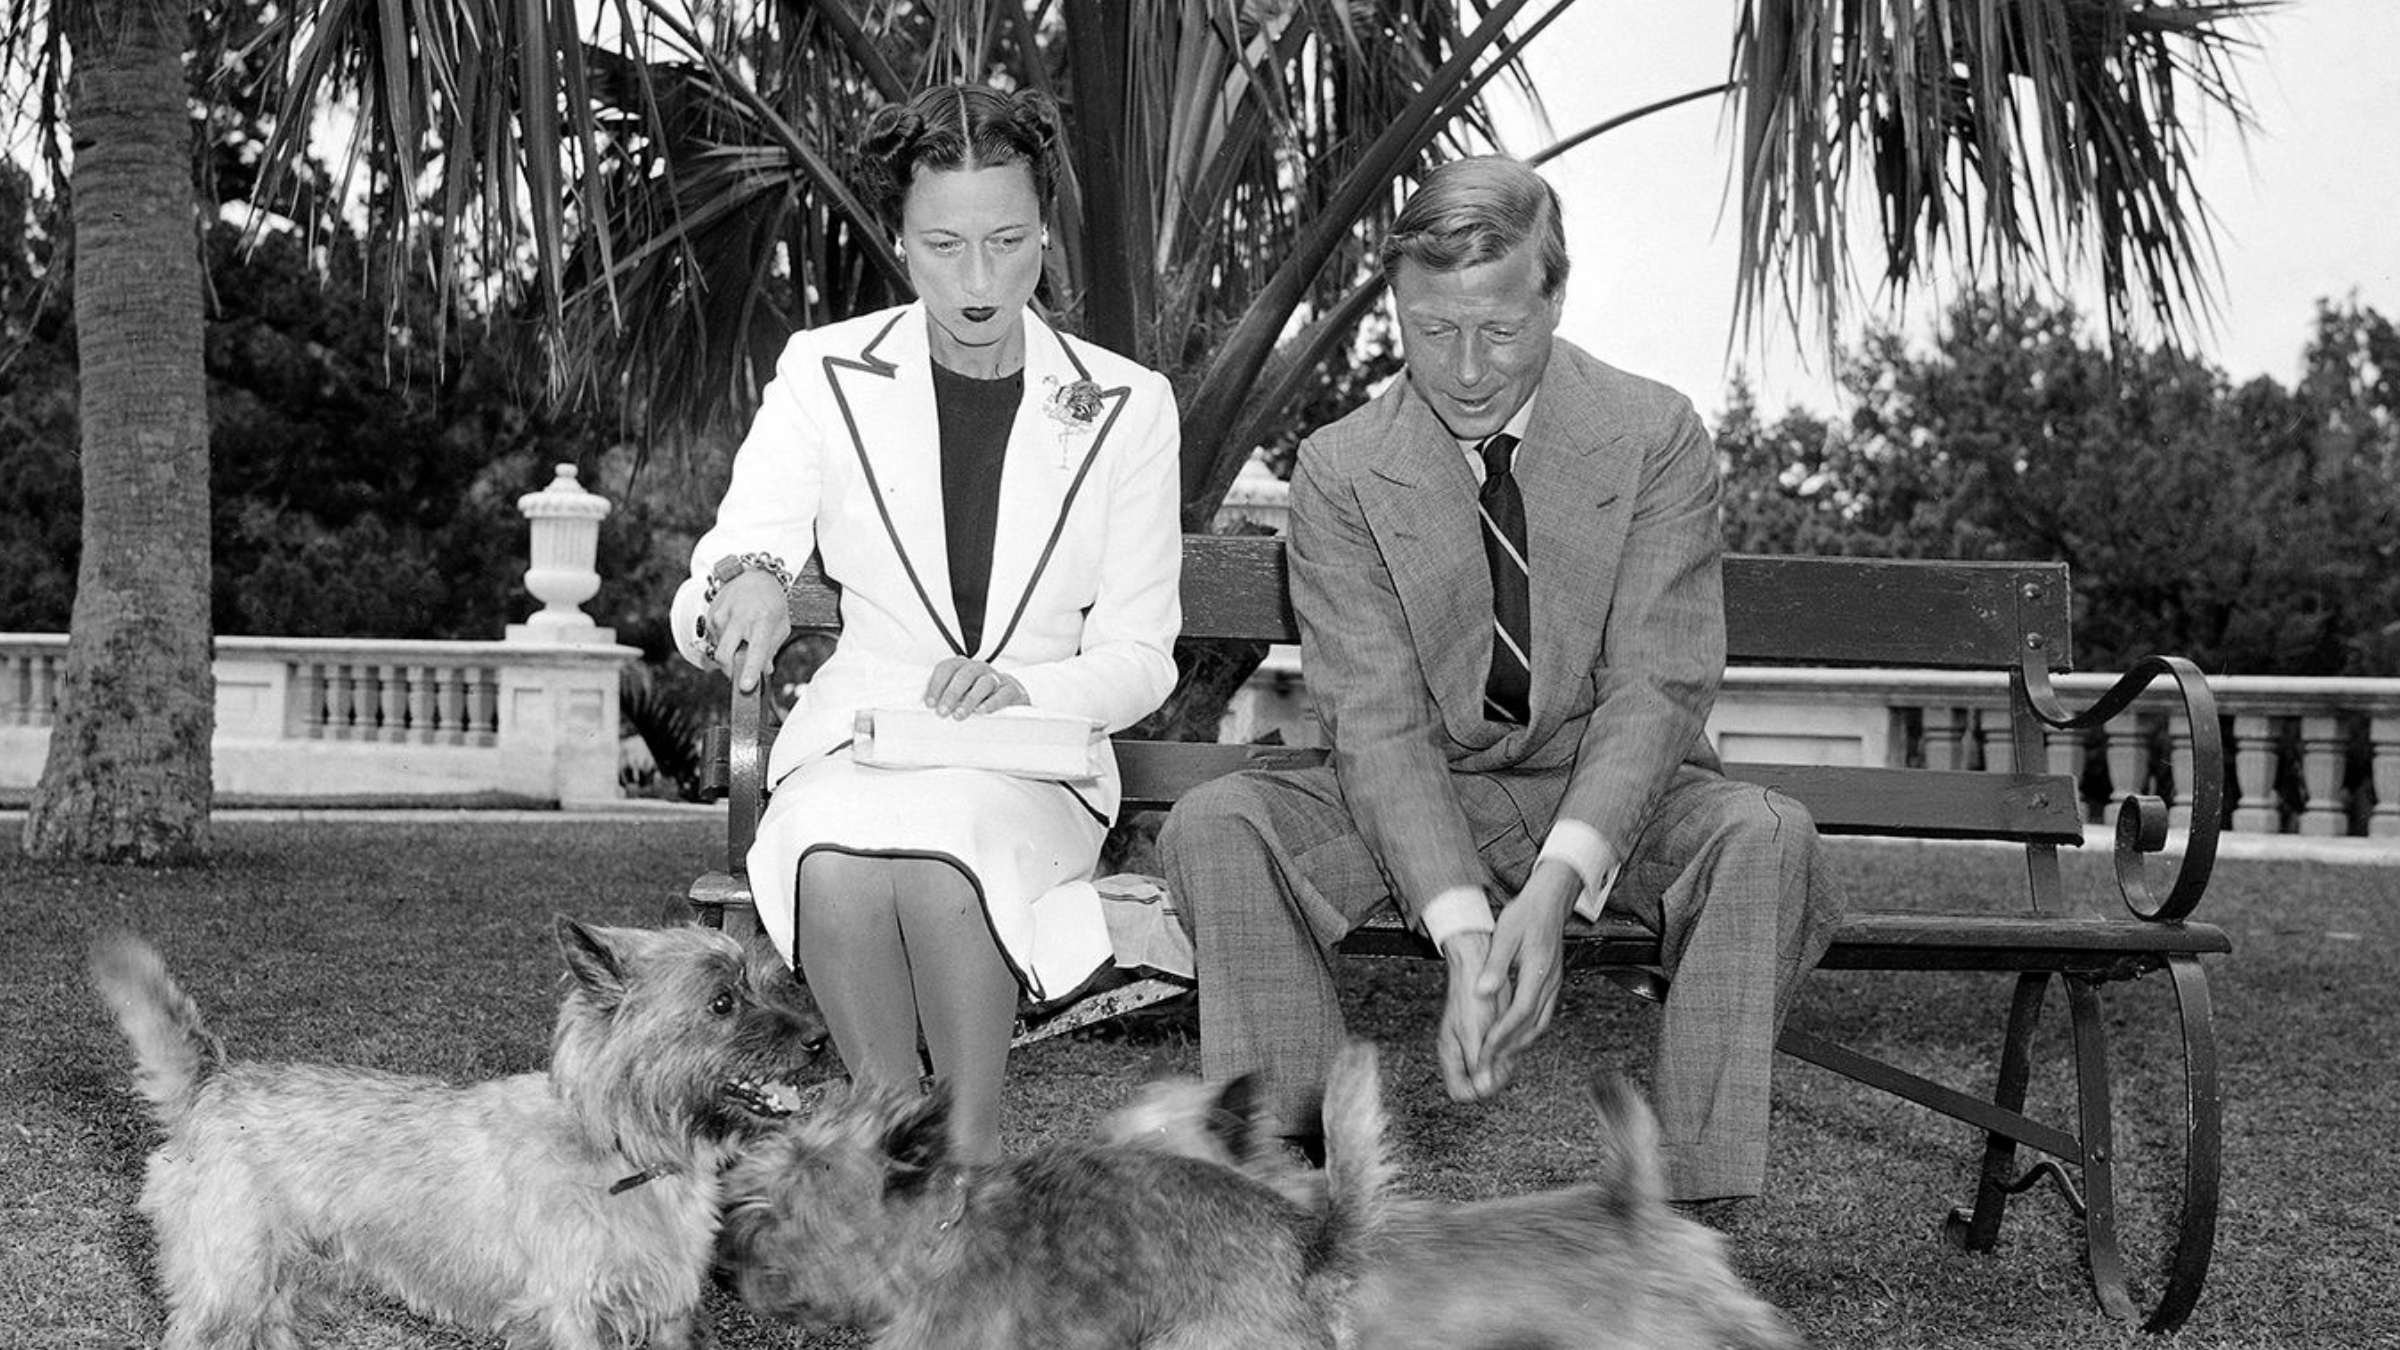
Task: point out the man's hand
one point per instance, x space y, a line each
747 625
1522 973
1467 1018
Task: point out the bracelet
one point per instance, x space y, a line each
734 565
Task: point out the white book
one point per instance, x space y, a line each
1026 742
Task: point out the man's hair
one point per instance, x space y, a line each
959 126
1478 210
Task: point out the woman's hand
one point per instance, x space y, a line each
962 686
746 626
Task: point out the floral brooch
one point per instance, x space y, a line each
1075 407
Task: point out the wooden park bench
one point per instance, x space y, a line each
2007 617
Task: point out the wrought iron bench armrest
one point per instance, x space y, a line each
2142 819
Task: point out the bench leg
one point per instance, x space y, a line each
2204 1113
2095 1198
1996 1180
2102 1257
739 921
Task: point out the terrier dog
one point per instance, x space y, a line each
860 1217
572 1209
1606 1265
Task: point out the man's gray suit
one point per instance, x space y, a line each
1424 793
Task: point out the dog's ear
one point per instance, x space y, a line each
1234 1120
593 960
917 1143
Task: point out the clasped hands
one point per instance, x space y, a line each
750 619
1504 984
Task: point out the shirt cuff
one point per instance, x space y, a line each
1460 909
683 621
1580 847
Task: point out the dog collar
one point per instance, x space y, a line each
643 1177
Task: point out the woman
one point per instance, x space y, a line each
998 502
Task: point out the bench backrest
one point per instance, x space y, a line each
1785 610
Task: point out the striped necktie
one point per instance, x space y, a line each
1508 690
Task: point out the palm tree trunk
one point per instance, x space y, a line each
127 778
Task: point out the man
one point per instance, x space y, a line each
1506 569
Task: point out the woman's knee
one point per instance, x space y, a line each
934 890
840 887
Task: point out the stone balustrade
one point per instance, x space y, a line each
305 718
332 718
2306 756
531 718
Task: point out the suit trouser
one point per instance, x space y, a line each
1269 872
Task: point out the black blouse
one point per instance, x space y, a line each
975 418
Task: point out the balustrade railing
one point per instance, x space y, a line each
334 717
29 683
2304 756
394 702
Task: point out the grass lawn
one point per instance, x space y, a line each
425 947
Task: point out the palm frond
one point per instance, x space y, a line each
1363 192
1994 135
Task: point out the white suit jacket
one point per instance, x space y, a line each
844 461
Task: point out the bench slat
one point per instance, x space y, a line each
1237 586
1823 611
1926 803
1156 773
1913 803
1883 612
1890 940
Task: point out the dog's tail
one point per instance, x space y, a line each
1358 1170
1631 1175
1634 1188
173 1051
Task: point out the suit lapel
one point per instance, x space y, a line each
1575 471
1054 445
1420 501
885 393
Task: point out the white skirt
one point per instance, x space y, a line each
1028 847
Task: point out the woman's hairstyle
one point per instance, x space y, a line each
959 126
1477 210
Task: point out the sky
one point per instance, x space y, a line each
2306 206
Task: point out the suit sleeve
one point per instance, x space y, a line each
1663 648
1125 666
770 505
1370 693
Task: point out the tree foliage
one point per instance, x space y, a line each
39 493
352 495
2251 528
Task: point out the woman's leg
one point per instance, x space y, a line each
966 995
847 934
